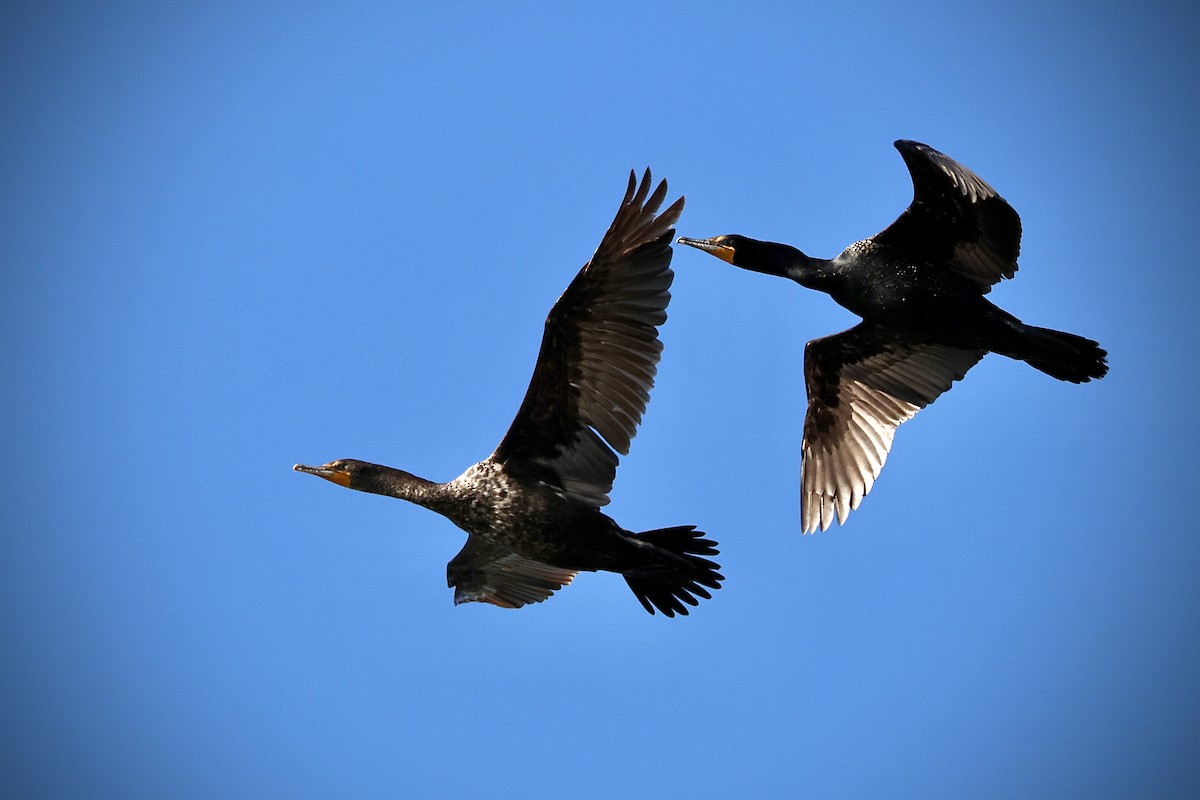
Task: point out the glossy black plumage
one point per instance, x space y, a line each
919 287
531 509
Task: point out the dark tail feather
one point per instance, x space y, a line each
676 574
1063 355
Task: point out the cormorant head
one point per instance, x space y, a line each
742 251
348 472
724 247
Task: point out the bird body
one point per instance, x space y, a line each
535 519
530 517
929 304
919 286
532 508
875 284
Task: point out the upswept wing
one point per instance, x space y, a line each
599 354
955 219
862 383
485 572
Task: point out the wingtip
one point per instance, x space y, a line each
675 208
630 188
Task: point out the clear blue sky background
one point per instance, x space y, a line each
239 235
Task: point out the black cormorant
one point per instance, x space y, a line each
919 287
532 508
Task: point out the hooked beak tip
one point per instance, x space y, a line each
721 251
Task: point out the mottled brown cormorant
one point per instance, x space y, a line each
919 287
532 508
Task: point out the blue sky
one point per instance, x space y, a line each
237 236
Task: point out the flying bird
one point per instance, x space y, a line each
919 287
531 509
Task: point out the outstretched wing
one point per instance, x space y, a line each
491 573
955 219
599 355
862 383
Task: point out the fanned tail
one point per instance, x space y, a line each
677 574
1063 355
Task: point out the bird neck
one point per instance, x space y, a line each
811 273
771 258
404 485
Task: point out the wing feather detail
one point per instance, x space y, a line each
862 384
599 354
955 219
484 572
